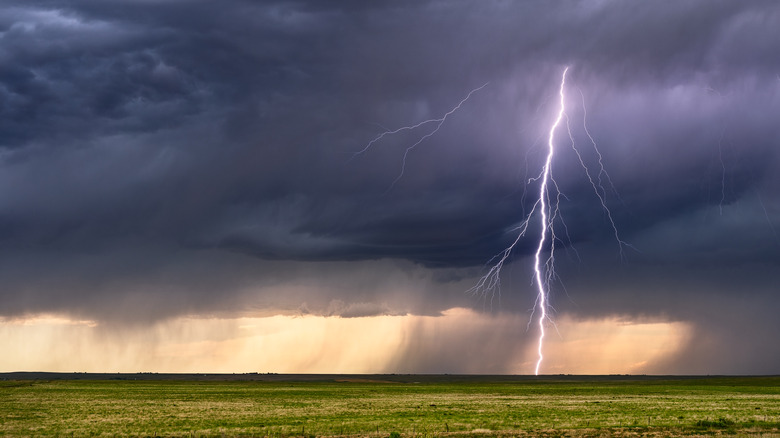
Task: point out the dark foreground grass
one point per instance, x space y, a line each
420 406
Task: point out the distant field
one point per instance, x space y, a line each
419 406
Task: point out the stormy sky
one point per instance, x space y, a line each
163 159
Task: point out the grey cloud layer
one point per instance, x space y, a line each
195 158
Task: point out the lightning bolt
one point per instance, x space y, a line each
436 125
546 226
546 205
598 185
548 210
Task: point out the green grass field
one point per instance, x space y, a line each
379 406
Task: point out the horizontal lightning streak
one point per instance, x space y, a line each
439 122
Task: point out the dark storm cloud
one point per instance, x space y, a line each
189 157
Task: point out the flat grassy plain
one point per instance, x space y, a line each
419 406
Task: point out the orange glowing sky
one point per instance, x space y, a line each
316 344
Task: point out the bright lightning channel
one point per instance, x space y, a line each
547 204
546 226
548 210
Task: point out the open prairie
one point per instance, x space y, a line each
385 405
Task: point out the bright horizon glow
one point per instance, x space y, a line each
317 344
